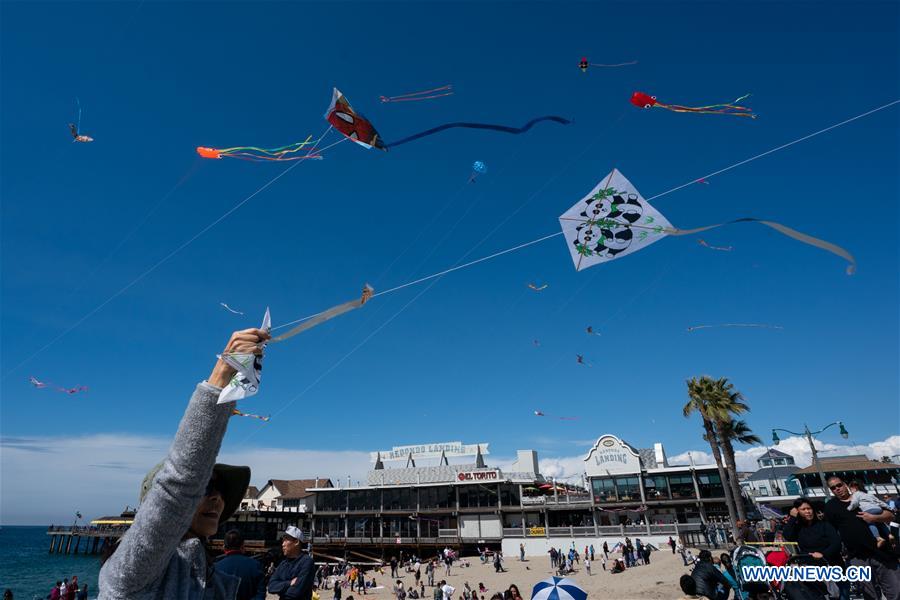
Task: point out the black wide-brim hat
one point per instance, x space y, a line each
232 483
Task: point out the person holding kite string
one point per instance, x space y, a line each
184 499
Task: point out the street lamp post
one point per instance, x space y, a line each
809 438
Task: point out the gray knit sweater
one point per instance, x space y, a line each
153 561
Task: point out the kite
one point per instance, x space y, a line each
77 136
248 367
235 412
71 391
478 168
642 100
614 220
438 92
351 124
38 384
583 64
328 314
356 127
581 361
722 248
229 309
757 325
536 343
538 288
489 126
298 151
74 390
703 181
590 331
539 413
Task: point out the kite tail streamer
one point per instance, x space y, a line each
326 315
624 64
728 108
446 90
253 153
492 127
791 233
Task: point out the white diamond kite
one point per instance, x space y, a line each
614 220
601 226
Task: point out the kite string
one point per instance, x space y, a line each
776 149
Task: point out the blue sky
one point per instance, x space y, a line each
457 363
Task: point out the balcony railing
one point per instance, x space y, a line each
600 531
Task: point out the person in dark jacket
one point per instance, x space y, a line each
235 562
706 576
813 536
293 579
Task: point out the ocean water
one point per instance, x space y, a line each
29 570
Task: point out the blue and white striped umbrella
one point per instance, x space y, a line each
558 588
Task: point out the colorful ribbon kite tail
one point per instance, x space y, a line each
488 126
297 151
438 92
791 233
327 315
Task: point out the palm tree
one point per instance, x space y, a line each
734 430
730 403
706 399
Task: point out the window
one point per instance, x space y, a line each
399 499
710 485
763 490
429 525
363 527
365 499
477 496
399 527
656 486
509 494
336 501
604 490
682 486
437 497
629 488
330 526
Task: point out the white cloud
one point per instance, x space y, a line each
45 480
797 447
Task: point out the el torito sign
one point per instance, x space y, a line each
478 476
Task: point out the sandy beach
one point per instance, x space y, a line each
659 579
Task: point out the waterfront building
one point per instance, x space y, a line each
421 508
773 484
878 477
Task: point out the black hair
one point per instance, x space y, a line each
233 540
705 556
688 585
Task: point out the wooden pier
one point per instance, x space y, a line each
87 540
